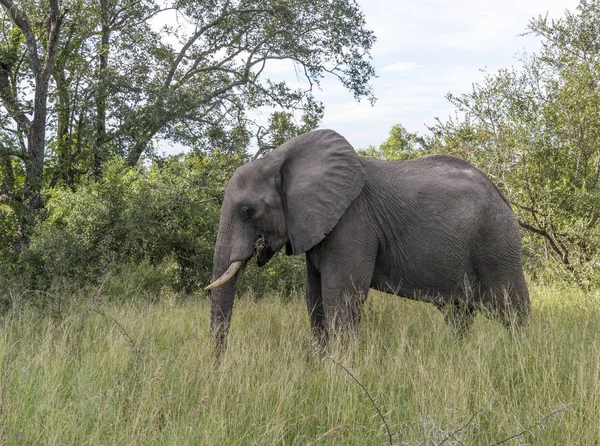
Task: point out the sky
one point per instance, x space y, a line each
426 49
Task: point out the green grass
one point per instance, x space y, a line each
149 379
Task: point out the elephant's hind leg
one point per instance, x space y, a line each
502 289
511 306
507 301
459 316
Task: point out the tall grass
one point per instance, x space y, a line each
143 374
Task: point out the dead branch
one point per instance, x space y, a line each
361 385
537 424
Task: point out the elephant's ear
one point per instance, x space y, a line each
321 176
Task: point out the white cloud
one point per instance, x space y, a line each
400 67
468 25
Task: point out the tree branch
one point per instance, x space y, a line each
224 14
20 19
188 44
533 426
564 257
468 423
54 23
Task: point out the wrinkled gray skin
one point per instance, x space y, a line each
433 229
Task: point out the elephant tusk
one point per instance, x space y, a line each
226 277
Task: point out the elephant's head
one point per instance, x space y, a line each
293 196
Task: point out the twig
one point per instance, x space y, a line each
464 426
387 427
533 426
118 324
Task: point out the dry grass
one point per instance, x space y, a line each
144 375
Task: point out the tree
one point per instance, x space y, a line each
400 145
41 45
283 126
86 80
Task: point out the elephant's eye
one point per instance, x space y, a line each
246 213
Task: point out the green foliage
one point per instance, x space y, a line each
166 211
400 145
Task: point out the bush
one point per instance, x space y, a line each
284 275
169 210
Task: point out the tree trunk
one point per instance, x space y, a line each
136 151
36 139
101 94
143 130
36 130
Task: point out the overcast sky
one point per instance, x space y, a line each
425 49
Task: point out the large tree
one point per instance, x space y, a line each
207 73
121 75
24 99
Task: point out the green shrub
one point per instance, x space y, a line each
169 210
284 275
141 231
140 281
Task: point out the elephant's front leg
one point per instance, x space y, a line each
346 261
314 303
345 286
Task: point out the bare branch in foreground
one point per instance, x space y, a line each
537 424
468 423
328 358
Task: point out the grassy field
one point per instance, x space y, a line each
143 374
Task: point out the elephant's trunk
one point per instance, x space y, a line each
222 290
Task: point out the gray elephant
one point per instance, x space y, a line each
434 228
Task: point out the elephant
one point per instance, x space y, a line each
433 228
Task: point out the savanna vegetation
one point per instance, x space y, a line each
106 242
141 373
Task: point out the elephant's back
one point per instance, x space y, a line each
438 216
437 180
